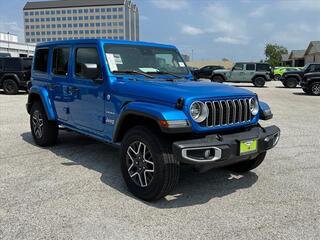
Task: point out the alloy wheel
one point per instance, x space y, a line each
316 89
37 123
140 164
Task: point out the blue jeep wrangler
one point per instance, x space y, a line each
143 98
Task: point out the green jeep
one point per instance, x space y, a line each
256 73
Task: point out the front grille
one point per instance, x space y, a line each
228 112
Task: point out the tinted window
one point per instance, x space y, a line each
263 67
85 56
250 67
12 64
41 60
314 68
60 61
238 66
26 64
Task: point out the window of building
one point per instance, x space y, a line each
59 32
27 26
74 11
48 33
48 39
27 20
43 39
69 32
48 19
115 37
41 60
91 10
42 20
53 32
86 24
53 19
97 24
115 30
103 10
91 17
43 26
48 26
108 9
120 9
115 23
120 16
43 33
75 18
53 26
115 16
58 19
53 12
64 18
114 9
42 13
109 31
37 13
103 24
86 56
104 31
65 32
26 14
80 31
92 31
75 32
103 17
69 18
80 18
108 16
27 34
31 13
37 26
80 25
86 17
97 17
28 40
31 20
86 31
69 11
32 26
64 25
120 23
47 12
54 39
37 19
80 11
59 38
121 31
69 25
85 10
91 24
75 25
121 38
97 31
58 25
109 24
38 33
58 12
97 10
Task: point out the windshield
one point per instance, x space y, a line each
145 59
305 67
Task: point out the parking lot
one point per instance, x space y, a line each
75 191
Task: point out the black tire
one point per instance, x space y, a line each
307 90
46 134
10 87
259 81
217 79
166 168
315 88
290 82
248 165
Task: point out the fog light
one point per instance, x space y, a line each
207 154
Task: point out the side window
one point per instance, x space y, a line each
314 68
87 58
12 64
250 67
238 66
60 61
41 60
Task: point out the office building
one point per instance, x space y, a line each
78 19
11 47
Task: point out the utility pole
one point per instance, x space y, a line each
8 41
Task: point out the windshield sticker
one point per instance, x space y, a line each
149 69
181 64
111 62
117 59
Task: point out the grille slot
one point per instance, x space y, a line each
227 112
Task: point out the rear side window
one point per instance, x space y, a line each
250 67
263 67
86 56
26 64
41 60
314 68
60 61
11 64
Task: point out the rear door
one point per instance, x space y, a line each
60 81
250 70
87 104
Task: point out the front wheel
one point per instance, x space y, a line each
248 165
259 82
148 166
315 88
44 132
306 90
217 79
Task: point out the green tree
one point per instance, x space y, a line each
273 54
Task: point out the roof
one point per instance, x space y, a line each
296 54
284 57
103 41
315 46
70 3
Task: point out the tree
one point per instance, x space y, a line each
273 54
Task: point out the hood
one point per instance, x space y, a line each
221 71
162 91
293 72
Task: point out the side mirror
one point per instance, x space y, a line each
91 71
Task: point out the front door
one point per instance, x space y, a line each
87 105
237 73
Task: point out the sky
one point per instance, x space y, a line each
212 29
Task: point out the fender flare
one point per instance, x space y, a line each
45 100
265 111
294 76
153 111
259 75
10 76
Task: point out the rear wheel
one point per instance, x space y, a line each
10 87
248 165
259 82
217 79
44 132
148 166
315 88
290 82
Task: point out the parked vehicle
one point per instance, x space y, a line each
14 74
278 72
292 79
256 73
142 97
310 83
206 72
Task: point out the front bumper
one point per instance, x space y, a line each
225 149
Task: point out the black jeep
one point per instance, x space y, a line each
293 78
14 74
310 83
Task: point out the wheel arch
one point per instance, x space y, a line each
41 94
9 76
259 75
219 75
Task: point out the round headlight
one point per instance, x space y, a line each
254 106
199 111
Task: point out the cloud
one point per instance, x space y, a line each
190 30
300 5
143 18
258 12
12 27
232 40
171 4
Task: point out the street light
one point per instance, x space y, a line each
8 40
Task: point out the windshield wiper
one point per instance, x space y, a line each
164 72
134 72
